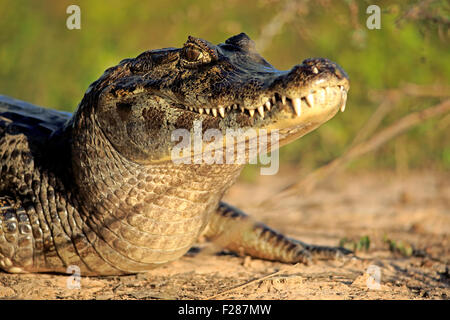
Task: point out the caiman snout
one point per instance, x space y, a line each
315 83
319 72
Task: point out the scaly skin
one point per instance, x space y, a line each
99 189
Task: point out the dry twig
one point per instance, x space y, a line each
246 284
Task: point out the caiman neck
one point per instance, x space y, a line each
114 190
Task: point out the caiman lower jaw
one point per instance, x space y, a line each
322 97
300 116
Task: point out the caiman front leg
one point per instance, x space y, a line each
234 230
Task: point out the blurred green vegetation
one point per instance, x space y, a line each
44 63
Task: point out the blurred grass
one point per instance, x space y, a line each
43 62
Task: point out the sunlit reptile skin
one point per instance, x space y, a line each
90 190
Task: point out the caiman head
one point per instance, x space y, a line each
141 101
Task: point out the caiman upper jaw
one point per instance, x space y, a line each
316 83
232 81
314 99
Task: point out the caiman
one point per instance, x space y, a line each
100 190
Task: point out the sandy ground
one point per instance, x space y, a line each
413 210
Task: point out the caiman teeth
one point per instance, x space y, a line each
297 103
343 98
317 96
261 110
222 112
310 99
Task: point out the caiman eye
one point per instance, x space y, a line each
197 52
192 54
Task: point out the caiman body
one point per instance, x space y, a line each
98 189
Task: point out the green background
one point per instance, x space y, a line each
44 63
